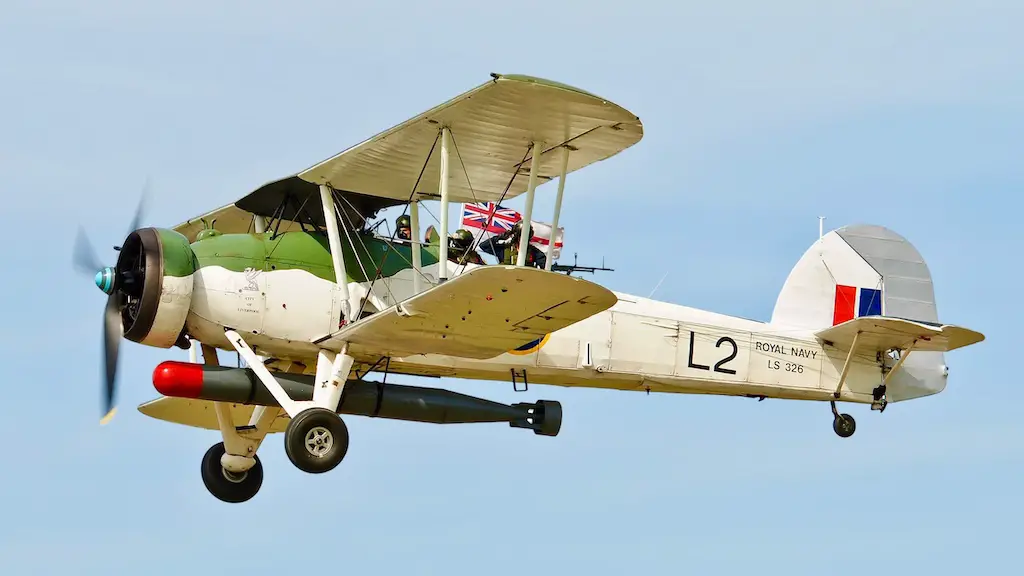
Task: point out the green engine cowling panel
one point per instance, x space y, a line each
306 251
157 314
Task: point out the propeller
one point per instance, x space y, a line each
121 283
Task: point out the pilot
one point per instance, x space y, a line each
403 227
459 251
505 247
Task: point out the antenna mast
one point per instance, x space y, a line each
821 227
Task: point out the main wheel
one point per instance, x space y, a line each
316 440
230 486
844 425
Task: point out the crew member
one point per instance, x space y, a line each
459 244
403 226
505 247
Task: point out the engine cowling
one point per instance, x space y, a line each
155 266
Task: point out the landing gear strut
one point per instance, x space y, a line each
843 424
316 439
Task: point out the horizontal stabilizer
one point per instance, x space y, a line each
480 314
881 333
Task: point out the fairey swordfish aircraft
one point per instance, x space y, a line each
296 279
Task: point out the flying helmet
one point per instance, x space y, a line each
517 229
462 238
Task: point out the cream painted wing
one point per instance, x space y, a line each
480 314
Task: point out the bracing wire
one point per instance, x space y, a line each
432 215
415 244
412 193
472 192
490 216
348 235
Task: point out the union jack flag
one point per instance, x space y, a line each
475 216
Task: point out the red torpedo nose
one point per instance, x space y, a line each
178 379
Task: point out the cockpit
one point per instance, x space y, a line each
465 247
291 205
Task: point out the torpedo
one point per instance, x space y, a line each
360 398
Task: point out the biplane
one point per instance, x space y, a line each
297 279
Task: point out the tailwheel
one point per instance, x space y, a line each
233 487
843 424
316 440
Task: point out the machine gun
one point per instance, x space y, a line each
570 268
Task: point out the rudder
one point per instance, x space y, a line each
866 270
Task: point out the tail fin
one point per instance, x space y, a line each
864 270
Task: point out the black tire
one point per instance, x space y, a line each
228 486
844 425
327 438
550 414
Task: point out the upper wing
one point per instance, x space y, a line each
230 219
290 201
480 314
492 127
879 333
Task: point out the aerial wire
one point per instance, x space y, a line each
656 286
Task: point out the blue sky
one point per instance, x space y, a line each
759 117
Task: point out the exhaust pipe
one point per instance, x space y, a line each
360 398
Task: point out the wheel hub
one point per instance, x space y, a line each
319 441
235 477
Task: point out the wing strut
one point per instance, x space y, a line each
524 238
846 366
334 241
443 257
903 356
558 209
417 258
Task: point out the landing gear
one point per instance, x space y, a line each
843 424
232 487
316 440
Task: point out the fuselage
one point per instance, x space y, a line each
280 292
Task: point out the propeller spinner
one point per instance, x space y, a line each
105 280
